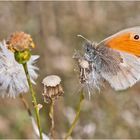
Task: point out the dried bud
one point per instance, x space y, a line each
20 41
52 87
85 69
84 64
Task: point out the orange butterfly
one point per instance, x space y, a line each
115 59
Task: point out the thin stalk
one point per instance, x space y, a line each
26 105
51 114
76 117
33 98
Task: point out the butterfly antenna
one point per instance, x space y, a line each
84 38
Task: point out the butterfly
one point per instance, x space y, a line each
116 60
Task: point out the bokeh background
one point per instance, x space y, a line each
54 26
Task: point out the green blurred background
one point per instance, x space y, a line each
54 26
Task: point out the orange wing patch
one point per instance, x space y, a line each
125 42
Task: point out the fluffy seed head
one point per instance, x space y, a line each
12 76
89 78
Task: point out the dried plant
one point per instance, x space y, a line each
52 90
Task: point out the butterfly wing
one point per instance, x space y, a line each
127 40
120 64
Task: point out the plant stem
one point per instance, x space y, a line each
33 98
51 114
76 117
26 105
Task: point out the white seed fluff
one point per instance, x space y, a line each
51 80
12 76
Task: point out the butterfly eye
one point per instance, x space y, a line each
136 37
88 49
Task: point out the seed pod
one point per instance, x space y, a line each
52 88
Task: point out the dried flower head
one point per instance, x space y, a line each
88 77
84 67
52 87
12 76
20 41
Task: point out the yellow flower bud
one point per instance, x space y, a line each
22 56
